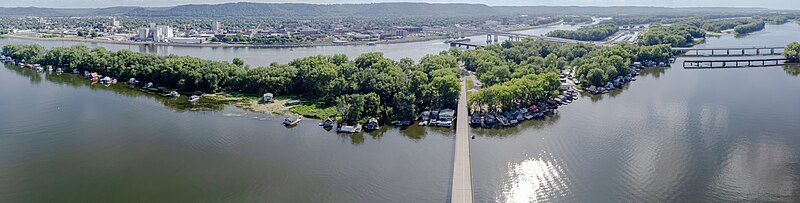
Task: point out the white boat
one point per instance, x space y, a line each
292 120
193 98
106 80
373 124
173 94
350 129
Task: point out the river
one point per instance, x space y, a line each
674 135
262 56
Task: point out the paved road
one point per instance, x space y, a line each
462 174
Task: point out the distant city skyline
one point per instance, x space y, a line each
770 4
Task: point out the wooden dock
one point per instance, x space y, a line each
461 187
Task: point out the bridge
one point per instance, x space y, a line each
730 51
733 62
461 187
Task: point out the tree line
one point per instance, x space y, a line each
523 73
749 27
371 85
676 35
594 33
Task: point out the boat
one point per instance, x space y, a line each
372 124
327 123
423 123
434 118
49 68
370 43
106 80
292 120
475 119
456 40
446 117
59 70
148 85
424 117
193 98
489 120
404 122
520 116
349 129
502 120
173 94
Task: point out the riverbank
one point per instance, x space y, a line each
127 42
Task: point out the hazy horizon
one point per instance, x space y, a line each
769 4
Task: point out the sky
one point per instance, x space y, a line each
771 4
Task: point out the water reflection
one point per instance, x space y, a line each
514 130
792 69
539 178
178 104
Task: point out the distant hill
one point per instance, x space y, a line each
616 10
314 10
363 10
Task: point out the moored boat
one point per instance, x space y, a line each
292 120
173 94
349 129
475 119
193 98
372 124
489 120
327 123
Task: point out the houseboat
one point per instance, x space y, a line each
502 120
434 118
475 119
446 117
292 120
372 124
489 120
349 129
424 117
193 98
327 123
404 122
